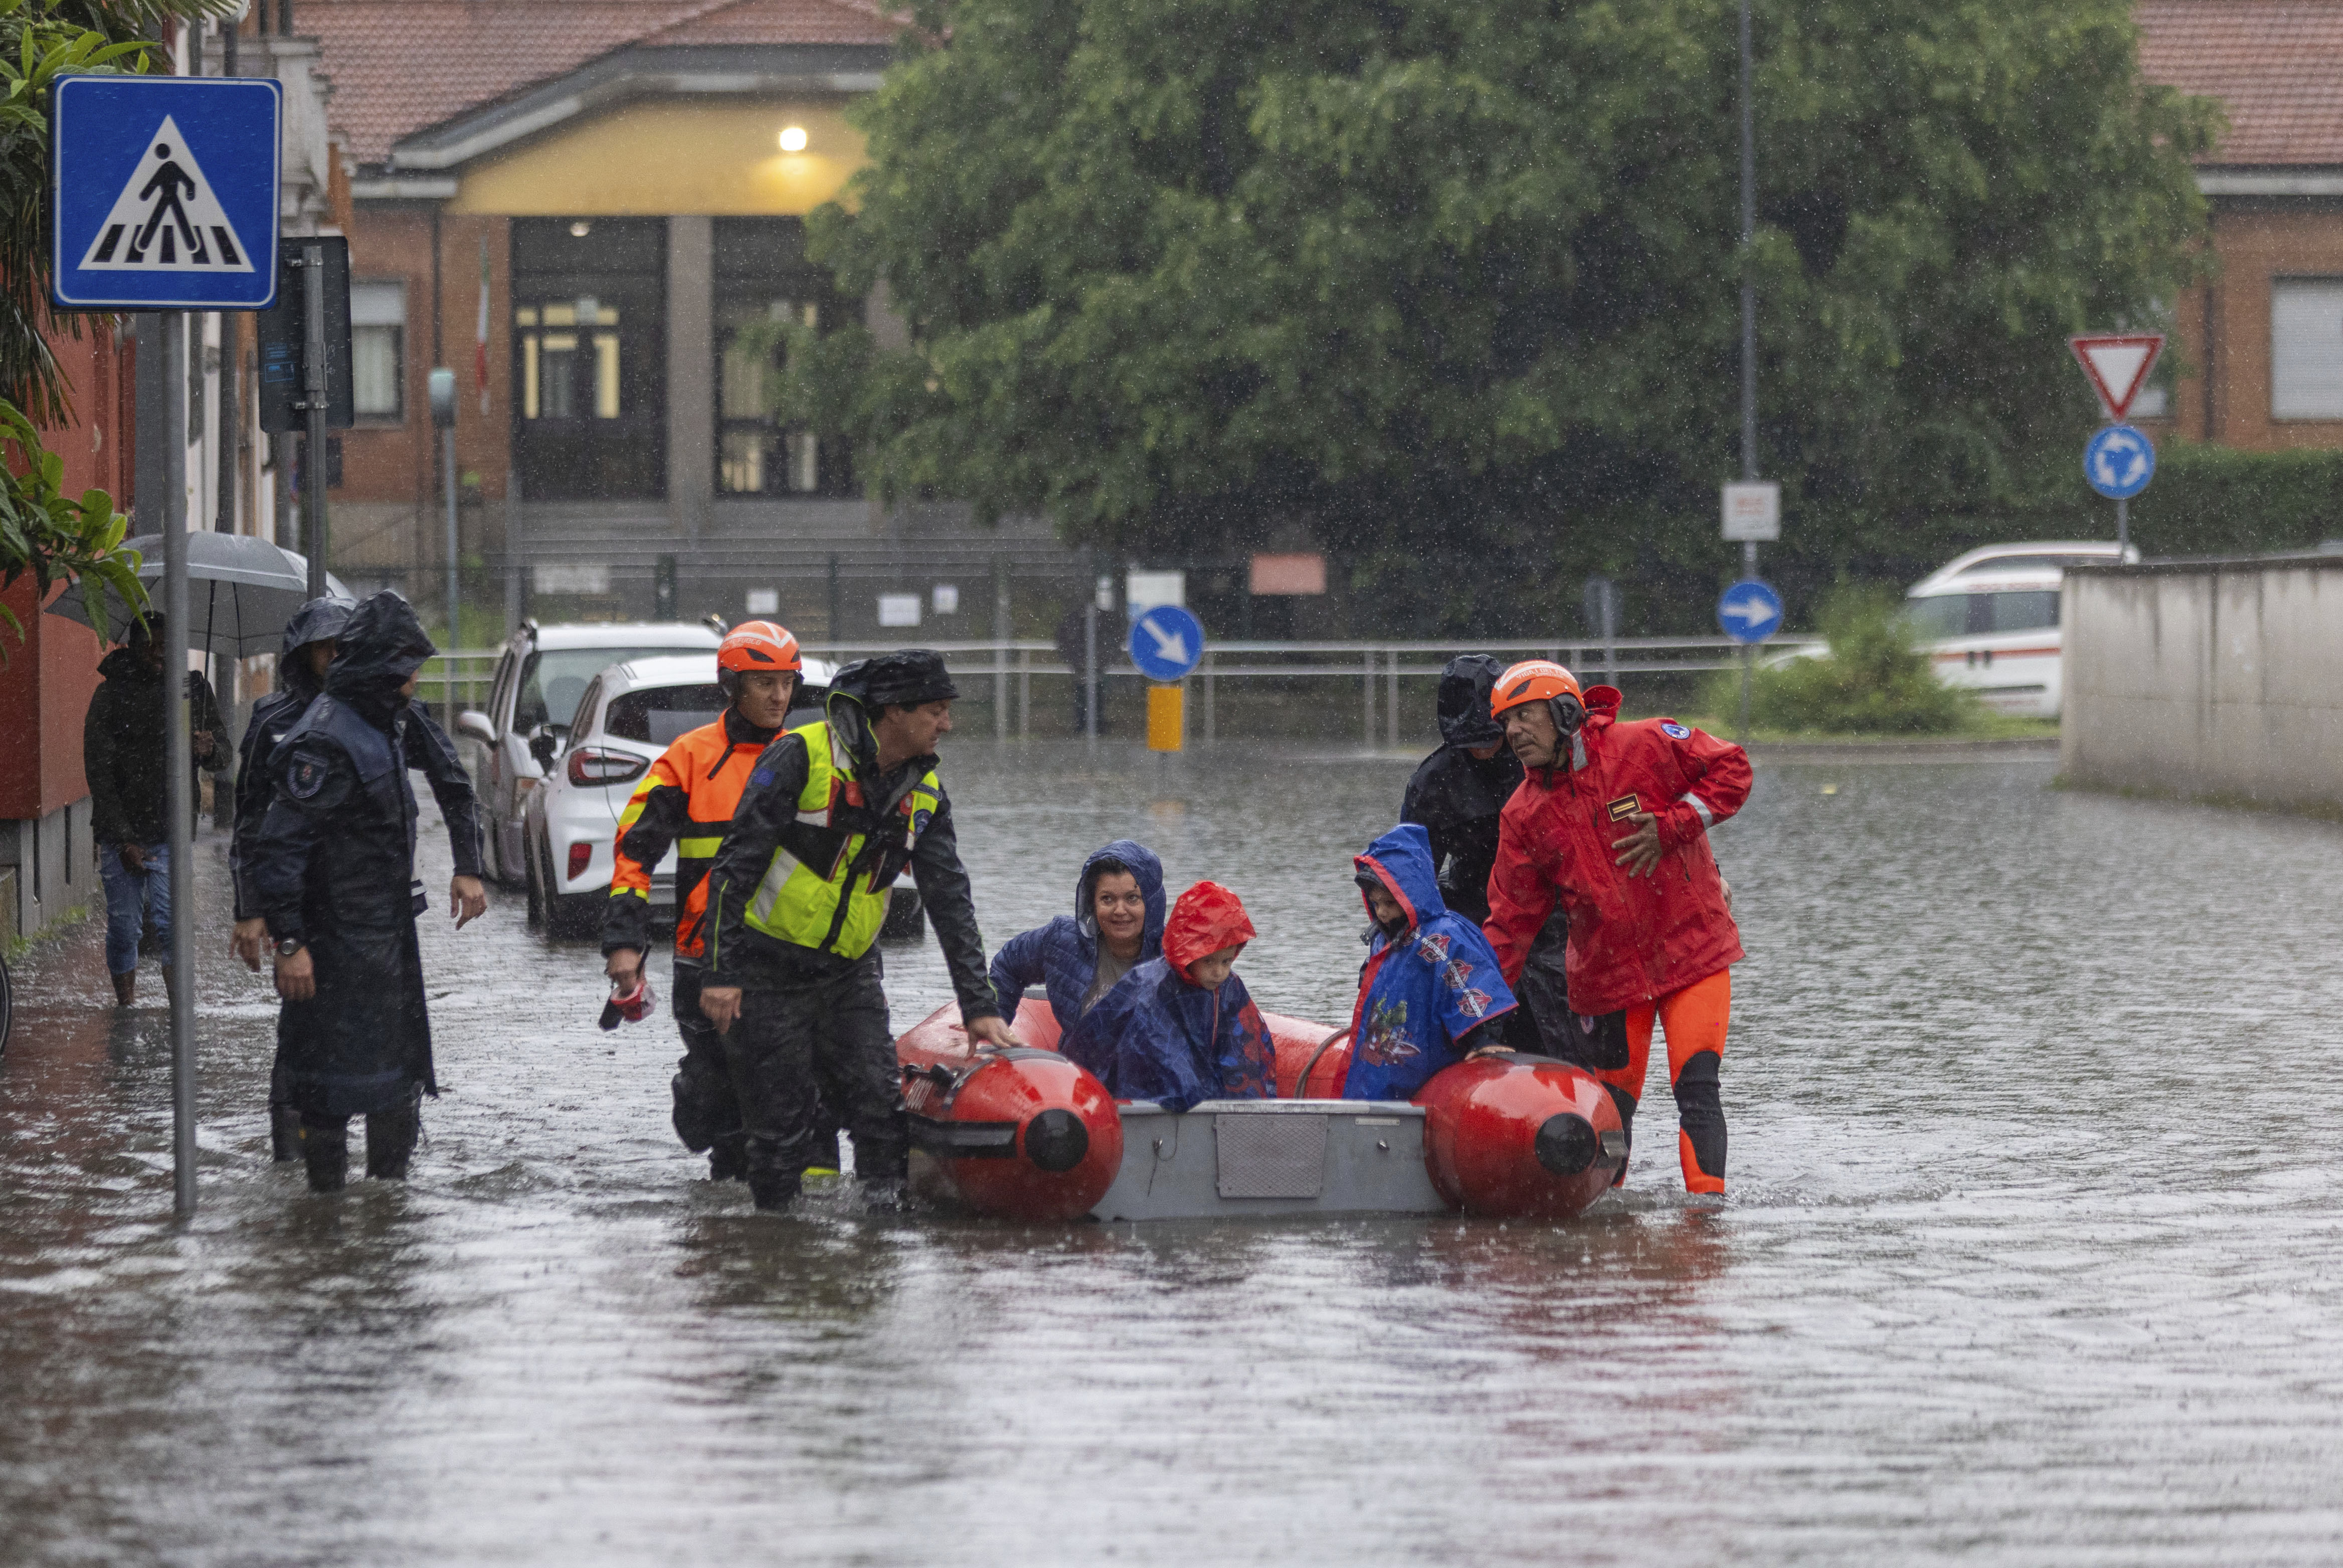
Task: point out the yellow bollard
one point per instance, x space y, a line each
1166 717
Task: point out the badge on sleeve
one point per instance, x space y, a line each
1672 730
306 776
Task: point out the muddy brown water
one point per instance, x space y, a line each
2031 1255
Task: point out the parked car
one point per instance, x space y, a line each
538 678
1989 621
628 715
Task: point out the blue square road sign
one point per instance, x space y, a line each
163 192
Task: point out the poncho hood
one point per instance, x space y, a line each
382 644
1207 917
1401 861
1465 682
1148 873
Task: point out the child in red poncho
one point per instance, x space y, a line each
1180 1029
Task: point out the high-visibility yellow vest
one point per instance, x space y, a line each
826 886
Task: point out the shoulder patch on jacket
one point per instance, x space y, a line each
306 773
1672 730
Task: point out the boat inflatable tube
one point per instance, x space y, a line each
1022 1133
1505 1136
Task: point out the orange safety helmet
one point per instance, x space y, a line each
1540 680
754 645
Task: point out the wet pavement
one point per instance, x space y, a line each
2031 1255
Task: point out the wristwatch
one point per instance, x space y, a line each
287 946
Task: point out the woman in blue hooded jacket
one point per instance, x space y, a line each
1117 925
1431 985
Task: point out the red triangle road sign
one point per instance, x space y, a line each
2117 364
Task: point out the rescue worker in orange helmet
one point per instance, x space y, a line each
1611 821
686 801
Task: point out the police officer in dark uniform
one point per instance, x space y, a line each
301 674
1456 794
333 865
834 812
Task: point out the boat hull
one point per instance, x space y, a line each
1028 1134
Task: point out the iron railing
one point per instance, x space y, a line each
1379 667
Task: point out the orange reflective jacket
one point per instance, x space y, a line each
686 801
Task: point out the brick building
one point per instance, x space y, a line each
628 181
2260 349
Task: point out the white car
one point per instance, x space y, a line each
628 715
536 686
1989 620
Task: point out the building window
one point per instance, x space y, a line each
763 285
377 349
590 351
2306 349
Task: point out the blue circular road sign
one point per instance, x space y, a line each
1750 611
2119 462
1166 642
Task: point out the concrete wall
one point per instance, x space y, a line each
2219 678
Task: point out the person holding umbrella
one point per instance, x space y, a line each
122 758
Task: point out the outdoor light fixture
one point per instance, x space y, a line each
580 229
793 138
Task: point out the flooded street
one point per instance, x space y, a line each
2031 1255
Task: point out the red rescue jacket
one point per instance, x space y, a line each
1632 939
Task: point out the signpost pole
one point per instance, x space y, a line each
442 383
179 762
2123 527
314 399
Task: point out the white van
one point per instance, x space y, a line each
1989 620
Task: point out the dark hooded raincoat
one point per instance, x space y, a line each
274 714
1062 956
1424 988
1455 795
1158 1035
334 867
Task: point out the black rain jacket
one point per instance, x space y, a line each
333 865
122 749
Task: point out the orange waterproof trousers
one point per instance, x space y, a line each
1693 1020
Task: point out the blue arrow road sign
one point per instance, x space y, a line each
1166 642
1750 611
164 193
2119 462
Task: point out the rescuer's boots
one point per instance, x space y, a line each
727 1157
283 1132
326 1152
390 1141
125 987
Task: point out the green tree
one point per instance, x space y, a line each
43 530
1455 285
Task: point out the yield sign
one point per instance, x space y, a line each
2117 364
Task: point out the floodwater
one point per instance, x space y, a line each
2031 1255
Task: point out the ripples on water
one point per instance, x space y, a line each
2031 1256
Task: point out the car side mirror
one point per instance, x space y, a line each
542 746
474 725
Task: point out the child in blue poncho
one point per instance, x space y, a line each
1430 986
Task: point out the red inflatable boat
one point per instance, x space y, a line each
1027 1134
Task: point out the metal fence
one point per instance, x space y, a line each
1379 667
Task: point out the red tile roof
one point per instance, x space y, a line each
2277 66
400 66
784 22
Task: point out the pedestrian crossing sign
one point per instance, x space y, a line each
163 192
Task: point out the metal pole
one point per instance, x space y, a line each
454 578
1089 651
312 394
836 634
179 762
1749 652
1392 690
1367 716
1024 692
1748 282
1000 649
2123 527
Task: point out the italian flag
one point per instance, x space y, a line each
480 333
